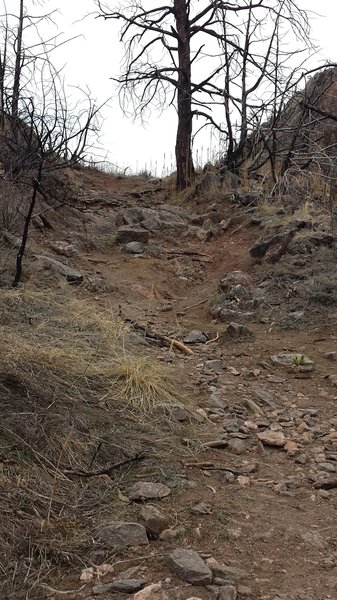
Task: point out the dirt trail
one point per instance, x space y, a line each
265 512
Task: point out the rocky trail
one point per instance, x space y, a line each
242 502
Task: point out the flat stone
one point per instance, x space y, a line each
124 534
293 359
236 446
146 490
127 586
215 365
71 275
132 234
228 592
272 438
226 572
331 356
134 247
201 509
195 337
188 566
152 592
153 519
237 330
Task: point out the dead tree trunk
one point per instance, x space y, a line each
183 148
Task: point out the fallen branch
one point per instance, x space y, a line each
163 339
106 470
284 238
215 339
61 592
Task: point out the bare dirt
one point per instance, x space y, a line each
267 511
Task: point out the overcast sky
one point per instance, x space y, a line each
94 57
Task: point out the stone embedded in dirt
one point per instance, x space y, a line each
153 519
215 365
291 448
133 215
71 275
124 534
62 247
293 360
228 592
331 356
195 337
264 397
146 490
188 566
201 509
236 446
235 278
226 571
172 534
244 591
151 592
272 438
314 539
243 481
237 330
134 247
132 234
126 586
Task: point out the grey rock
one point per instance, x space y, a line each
227 572
245 591
234 278
188 566
292 359
146 490
195 337
124 534
133 215
236 446
71 275
134 247
313 539
237 330
215 365
208 182
213 589
201 509
272 438
132 234
127 586
153 519
264 397
331 356
228 592
326 466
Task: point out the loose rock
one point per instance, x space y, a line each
228 592
124 534
146 490
132 234
127 586
188 566
272 438
153 519
195 337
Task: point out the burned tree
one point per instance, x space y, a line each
214 61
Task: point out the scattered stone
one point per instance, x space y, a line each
71 275
235 278
245 591
64 248
153 519
124 534
195 337
272 438
131 234
243 481
331 356
151 592
188 566
236 330
134 247
172 534
146 490
236 446
226 571
314 539
201 509
215 365
264 397
228 592
126 586
133 215
291 448
293 360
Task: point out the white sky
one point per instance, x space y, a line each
95 56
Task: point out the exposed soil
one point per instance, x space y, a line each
267 512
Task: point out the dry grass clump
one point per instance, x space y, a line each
64 347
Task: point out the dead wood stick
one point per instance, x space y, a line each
106 470
196 304
188 253
177 344
216 444
215 339
200 465
164 339
61 592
